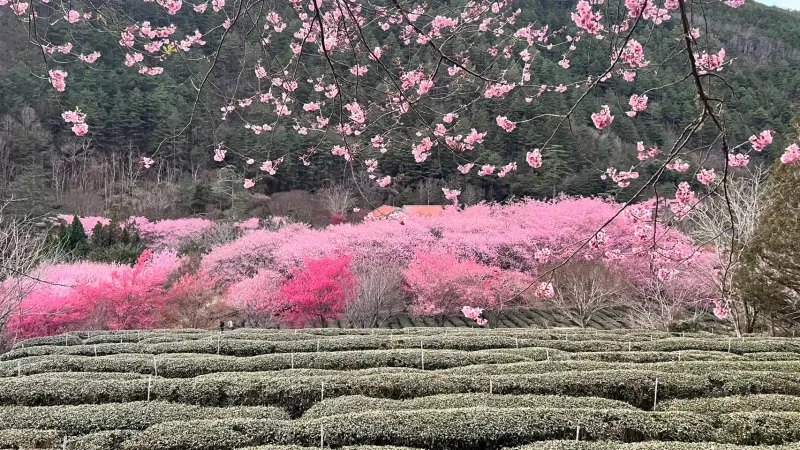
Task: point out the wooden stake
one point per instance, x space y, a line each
95 349
64 444
322 392
155 366
321 436
423 360
149 386
578 433
490 387
655 396
629 346
729 345
219 341
547 353
516 339
19 369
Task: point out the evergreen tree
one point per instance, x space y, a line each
770 271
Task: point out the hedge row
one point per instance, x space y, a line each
84 337
538 354
739 403
473 428
190 365
297 393
577 445
349 403
245 347
582 445
84 419
696 367
29 438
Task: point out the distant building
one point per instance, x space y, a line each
387 211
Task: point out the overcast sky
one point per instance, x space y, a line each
794 4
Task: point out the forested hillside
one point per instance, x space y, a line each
133 115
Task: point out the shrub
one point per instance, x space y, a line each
190 365
84 419
742 403
347 404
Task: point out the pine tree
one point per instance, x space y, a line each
770 271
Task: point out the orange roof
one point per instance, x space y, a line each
416 210
383 211
424 210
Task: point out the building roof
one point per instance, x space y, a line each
414 210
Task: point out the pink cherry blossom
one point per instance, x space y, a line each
633 54
564 62
57 79
147 162
73 16
219 153
132 59
506 169
603 118
465 168
710 62
486 169
638 104
92 57
248 183
761 141
80 129
738 159
545 290
706 176
791 155
534 158
451 195
19 8
678 165
73 117
216 5
271 167
504 123
201 8
385 181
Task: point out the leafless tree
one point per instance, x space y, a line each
728 221
378 297
659 303
22 250
585 288
337 199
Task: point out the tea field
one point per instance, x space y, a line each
434 388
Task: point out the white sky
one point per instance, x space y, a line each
794 4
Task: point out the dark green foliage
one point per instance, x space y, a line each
769 273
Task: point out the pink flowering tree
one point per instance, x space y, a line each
338 72
318 292
441 285
93 296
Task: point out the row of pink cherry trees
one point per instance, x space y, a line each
335 77
485 257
